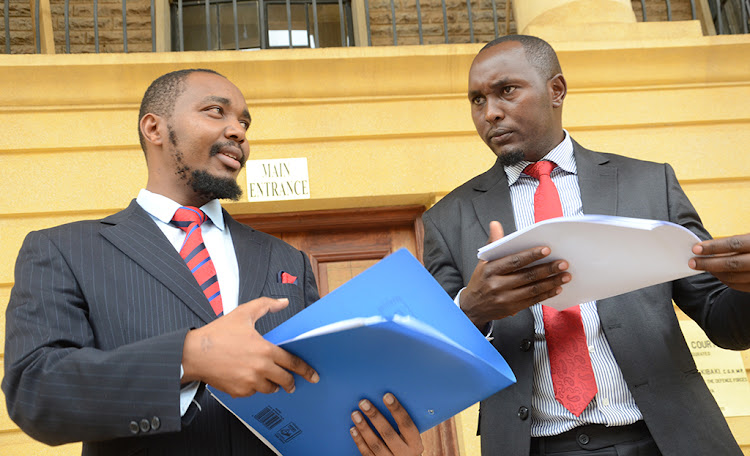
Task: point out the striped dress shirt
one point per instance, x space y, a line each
613 404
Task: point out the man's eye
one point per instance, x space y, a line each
245 124
216 109
477 100
508 90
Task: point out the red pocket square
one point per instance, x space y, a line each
285 277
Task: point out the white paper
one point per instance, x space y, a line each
607 255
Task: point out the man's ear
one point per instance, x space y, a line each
558 88
151 129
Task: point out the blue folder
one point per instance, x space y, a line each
392 329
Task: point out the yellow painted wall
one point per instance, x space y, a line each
379 126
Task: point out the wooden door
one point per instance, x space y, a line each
343 243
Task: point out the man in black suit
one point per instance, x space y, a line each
110 339
646 396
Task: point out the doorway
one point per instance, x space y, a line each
342 243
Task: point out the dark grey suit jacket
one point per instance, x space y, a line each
95 328
641 326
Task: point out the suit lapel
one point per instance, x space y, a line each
136 235
253 256
493 201
597 180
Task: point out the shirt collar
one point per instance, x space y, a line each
163 208
562 155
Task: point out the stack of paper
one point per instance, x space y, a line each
608 255
390 329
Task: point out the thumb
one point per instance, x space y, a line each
261 306
496 232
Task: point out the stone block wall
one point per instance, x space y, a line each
81 26
82 37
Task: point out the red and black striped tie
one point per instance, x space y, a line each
195 254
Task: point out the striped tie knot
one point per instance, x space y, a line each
195 254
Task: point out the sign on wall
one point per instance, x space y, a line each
723 371
277 179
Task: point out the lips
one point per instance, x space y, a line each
499 135
229 155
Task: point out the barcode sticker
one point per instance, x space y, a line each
269 417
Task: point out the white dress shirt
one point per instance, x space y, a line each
218 242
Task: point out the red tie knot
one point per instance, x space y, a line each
540 168
188 215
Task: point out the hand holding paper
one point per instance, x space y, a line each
730 260
505 285
607 256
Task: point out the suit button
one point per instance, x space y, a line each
155 423
145 425
583 439
133 426
525 345
523 413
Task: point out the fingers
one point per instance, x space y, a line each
295 364
261 306
406 426
726 258
520 260
387 440
732 244
360 442
505 286
370 441
496 232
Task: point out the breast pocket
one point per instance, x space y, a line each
296 299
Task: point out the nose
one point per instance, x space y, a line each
493 111
236 131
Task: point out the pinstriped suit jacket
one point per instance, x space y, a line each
641 326
95 328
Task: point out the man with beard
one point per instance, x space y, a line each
612 377
115 326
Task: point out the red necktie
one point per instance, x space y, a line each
569 360
195 254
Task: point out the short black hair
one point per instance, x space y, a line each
538 52
160 96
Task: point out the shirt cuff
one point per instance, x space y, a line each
488 330
187 394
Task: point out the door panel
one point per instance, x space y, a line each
343 243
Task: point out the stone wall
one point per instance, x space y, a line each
81 26
139 23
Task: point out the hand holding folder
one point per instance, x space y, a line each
211 352
390 329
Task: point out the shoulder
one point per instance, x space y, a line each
586 155
65 233
246 233
466 192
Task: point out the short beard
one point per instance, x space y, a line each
511 158
204 184
212 187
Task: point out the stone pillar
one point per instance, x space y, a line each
586 20
556 12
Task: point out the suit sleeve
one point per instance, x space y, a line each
310 285
438 258
59 388
723 313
